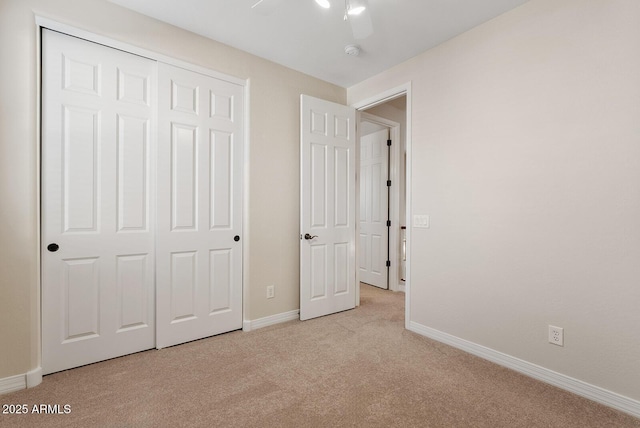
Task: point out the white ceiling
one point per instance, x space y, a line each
301 35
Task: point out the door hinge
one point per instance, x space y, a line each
388 223
388 263
388 183
388 142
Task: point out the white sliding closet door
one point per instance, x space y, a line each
141 203
97 199
199 239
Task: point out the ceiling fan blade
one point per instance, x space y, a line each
361 25
266 7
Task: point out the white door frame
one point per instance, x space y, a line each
35 376
394 199
373 101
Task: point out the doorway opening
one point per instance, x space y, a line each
382 194
329 179
399 98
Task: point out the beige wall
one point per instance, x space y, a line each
274 158
526 155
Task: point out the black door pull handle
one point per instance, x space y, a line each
53 247
308 237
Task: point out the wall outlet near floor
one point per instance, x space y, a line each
556 335
271 291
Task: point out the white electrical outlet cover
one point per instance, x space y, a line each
556 335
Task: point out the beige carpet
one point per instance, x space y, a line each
356 368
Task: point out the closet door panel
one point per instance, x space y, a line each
200 207
97 236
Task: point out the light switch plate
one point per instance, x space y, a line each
421 221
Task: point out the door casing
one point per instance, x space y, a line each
367 103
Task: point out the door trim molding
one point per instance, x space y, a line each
388 95
246 171
42 22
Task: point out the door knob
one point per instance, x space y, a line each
53 247
236 238
307 236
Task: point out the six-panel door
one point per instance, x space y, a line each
199 247
327 168
141 215
98 285
374 208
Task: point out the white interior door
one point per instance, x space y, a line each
374 208
327 220
199 246
97 198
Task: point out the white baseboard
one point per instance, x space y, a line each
22 381
12 384
592 392
249 325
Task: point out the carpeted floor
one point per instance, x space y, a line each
355 368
